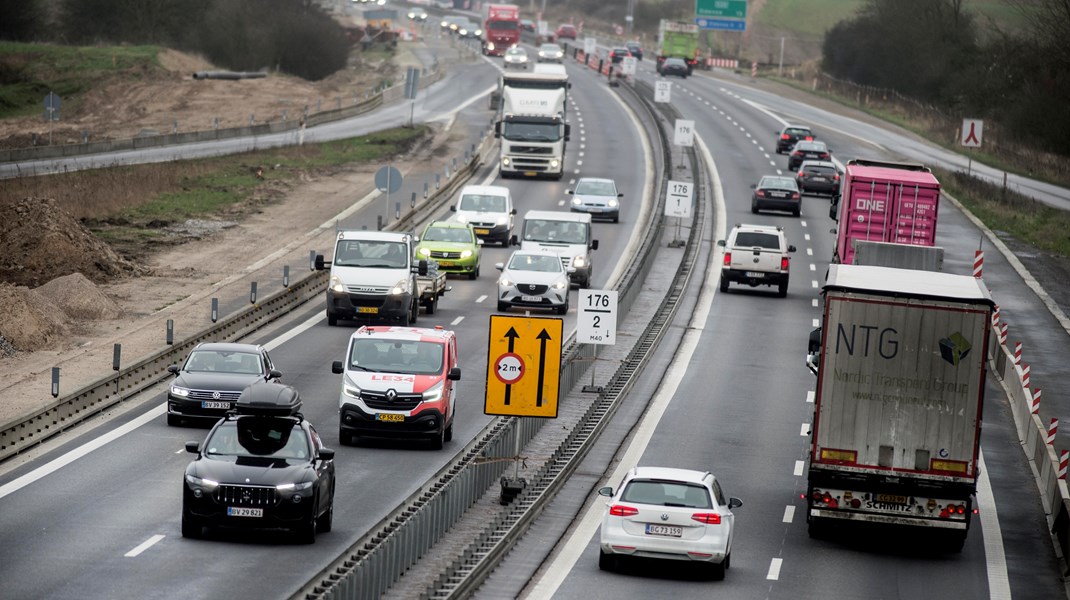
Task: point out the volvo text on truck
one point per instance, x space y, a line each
531 124
501 28
885 202
900 364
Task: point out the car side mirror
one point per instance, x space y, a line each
814 343
499 266
594 245
320 263
454 374
734 502
479 241
570 192
570 270
337 367
721 243
453 208
754 186
326 454
791 248
173 369
606 491
620 194
274 374
193 447
512 212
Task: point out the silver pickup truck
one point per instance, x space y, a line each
756 255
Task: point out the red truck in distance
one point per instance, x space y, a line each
501 28
884 202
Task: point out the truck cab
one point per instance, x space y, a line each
373 277
566 234
531 124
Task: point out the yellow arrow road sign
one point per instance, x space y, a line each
523 366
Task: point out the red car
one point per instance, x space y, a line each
566 31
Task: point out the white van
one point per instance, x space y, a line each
566 234
488 209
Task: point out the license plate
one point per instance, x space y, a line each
446 263
210 404
755 274
667 530
818 179
893 499
368 310
530 173
390 417
242 511
482 231
531 298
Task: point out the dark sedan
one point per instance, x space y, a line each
635 48
790 135
775 192
263 467
808 151
674 66
212 378
818 177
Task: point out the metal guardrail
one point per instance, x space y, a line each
23 433
397 542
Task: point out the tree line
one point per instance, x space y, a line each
292 36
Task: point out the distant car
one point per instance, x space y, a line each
527 25
454 246
551 53
616 55
808 151
664 513
453 23
516 57
566 31
488 209
791 134
262 466
818 177
756 255
417 14
774 192
533 280
469 29
635 48
674 66
598 197
211 379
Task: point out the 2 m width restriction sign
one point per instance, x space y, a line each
596 320
523 366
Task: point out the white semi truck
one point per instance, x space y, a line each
900 364
531 124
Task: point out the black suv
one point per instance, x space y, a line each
818 177
263 466
787 137
214 374
635 48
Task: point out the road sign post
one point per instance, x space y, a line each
730 15
388 179
970 137
683 134
663 91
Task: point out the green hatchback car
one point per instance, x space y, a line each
453 245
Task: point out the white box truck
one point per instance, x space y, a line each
531 124
900 364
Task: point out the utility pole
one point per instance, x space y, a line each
780 66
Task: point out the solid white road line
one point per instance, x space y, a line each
999 586
144 546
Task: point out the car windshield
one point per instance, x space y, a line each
532 132
797 132
396 356
378 254
754 239
810 146
551 49
563 232
218 361
483 203
674 62
783 183
502 25
819 169
596 188
516 52
543 263
666 493
448 234
259 437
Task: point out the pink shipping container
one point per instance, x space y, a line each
886 202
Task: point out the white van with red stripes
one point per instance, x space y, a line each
398 382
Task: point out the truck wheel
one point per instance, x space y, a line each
816 529
173 420
332 320
432 304
724 284
782 291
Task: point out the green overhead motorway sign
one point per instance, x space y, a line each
721 14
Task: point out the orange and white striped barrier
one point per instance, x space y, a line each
724 63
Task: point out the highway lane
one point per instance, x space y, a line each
747 421
68 533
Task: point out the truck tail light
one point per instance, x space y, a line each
784 263
953 510
620 510
728 259
707 518
819 497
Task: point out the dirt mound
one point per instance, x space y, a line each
79 298
29 321
39 242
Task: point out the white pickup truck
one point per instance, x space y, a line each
756 255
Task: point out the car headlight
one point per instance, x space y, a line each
293 487
560 285
207 484
444 24
502 220
505 161
179 391
423 251
479 32
555 163
336 285
350 389
434 393
579 262
464 32
542 54
612 201
504 282
400 287
466 253
462 219
577 201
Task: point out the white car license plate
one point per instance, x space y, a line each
210 404
667 530
242 511
531 298
755 274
